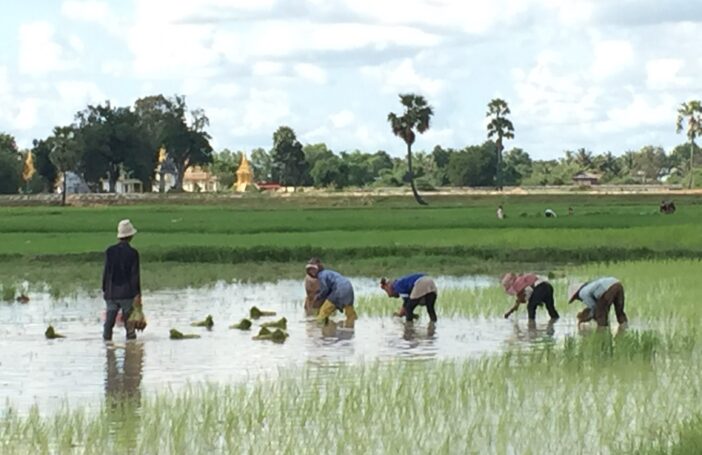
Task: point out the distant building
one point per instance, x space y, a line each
197 179
124 186
586 179
244 176
74 184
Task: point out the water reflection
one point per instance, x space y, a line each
534 333
124 371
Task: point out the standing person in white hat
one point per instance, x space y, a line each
598 296
121 280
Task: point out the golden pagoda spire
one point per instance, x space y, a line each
28 170
244 175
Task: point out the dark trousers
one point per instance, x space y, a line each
113 307
428 300
542 295
613 296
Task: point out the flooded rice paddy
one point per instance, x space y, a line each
81 369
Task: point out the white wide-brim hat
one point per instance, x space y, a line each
125 229
573 290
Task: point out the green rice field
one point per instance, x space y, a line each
614 391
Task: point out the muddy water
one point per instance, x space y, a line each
82 369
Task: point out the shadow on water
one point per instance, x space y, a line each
123 375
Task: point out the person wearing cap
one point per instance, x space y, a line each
415 289
598 296
533 290
121 280
335 293
312 287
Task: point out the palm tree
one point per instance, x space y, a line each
690 113
417 116
583 158
501 127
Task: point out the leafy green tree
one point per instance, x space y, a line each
473 166
330 171
10 165
358 168
417 116
690 113
288 160
262 165
441 158
501 128
65 153
224 166
608 165
46 170
516 167
379 162
166 123
650 163
314 153
583 158
113 143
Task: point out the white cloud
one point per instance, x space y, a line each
38 52
263 111
663 73
28 114
642 112
396 77
85 10
311 72
342 118
267 68
80 93
611 57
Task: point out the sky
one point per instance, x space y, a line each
599 74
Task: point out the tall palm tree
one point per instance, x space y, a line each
690 113
583 158
501 127
417 116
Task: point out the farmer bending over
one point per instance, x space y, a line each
598 296
311 288
415 289
335 293
121 281
532 290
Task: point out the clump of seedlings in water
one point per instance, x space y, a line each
51 334
277 335
244 324
177 335
281 323
255 313
8 293
23 299
208 322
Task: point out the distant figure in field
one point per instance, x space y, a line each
500 213
598 296
667 207
548 213
335 293
121 280
415 289
533 290
571 212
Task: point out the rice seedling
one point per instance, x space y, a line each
177 335
244 324
281 323
51 334
256 313
208 322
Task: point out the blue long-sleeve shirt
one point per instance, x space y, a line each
334 287
592 291
403 286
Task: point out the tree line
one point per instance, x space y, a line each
107 142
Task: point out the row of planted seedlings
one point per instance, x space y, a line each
596 394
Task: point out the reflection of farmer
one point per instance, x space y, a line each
126 383
335 293
123 392
598 296
532 290
415 290
121 282
311 287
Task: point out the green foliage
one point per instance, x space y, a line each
473 166
10 165
208 322
224 166
177 335
289 167
244 324
256 313
330 171
51 334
